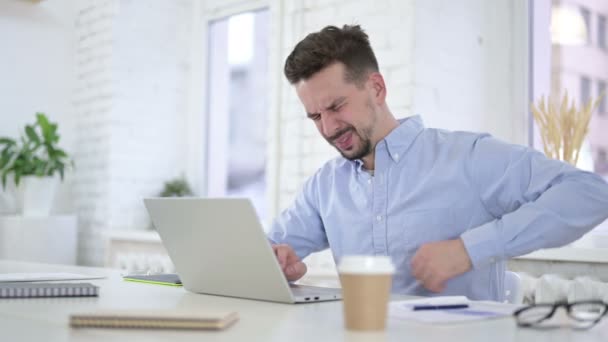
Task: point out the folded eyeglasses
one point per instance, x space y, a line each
582 314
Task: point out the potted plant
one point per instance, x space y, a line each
177 187
35 164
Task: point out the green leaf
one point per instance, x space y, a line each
34 152
4 160
31 133
39 168
12 160
53 136
7 141
8 152
61 170
48 131
43 121
4 174
60 153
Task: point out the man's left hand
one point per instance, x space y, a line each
436 262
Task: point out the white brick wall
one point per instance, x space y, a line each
93 102
130 100
466 60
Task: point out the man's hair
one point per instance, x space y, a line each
348 45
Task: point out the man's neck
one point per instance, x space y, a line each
383 132
368 161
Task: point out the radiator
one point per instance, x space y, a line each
143 263
551 288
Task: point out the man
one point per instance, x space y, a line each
449 208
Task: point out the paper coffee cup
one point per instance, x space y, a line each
366 285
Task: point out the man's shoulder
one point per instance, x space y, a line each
334 166
446 137
337 164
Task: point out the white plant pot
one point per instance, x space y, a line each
35 195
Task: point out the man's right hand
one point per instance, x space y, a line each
292 266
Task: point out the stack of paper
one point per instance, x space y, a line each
26 277
457 309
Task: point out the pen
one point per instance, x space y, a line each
440 307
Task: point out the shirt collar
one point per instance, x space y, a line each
399 140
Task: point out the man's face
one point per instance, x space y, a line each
343 112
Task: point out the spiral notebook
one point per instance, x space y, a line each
154 319
36 290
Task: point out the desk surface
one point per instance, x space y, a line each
46 319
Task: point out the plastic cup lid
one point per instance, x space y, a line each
366 264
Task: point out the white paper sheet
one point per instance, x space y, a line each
23 277
477 310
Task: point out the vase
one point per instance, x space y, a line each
35 195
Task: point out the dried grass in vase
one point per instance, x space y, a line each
563 127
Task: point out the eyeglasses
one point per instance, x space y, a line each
584 314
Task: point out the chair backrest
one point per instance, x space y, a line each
513 288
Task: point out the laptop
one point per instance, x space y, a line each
218 247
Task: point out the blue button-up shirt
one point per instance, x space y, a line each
429 185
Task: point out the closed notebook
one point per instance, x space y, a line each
36 290
170 279
154 319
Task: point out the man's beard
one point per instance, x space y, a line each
365 145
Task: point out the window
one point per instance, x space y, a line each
601 91
601 160
237 107
601 32
587 18
585 89
562 62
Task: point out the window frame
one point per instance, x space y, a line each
197 125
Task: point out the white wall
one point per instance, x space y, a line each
36 72
470 66
132 67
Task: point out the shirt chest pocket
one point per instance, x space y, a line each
414 228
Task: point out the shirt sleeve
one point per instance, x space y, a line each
300 225
537 202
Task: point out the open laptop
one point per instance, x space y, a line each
218 247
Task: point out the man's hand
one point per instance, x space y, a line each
436 262
292 266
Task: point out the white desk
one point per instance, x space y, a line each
47 319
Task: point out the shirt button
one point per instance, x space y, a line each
379 218
369 181
396 156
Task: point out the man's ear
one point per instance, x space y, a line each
378 87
